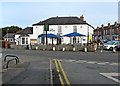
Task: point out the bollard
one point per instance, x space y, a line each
73 48
36 47
63 49
85 49
101 50
114 50
53 48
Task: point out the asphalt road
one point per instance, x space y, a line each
90 56
80 67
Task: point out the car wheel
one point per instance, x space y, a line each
111 48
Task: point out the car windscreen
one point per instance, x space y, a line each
110 42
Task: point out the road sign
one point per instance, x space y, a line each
46 27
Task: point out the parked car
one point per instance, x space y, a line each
110 45
118 47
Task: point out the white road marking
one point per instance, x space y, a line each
70 60
102 63
90 62
114 64
81 61
109 75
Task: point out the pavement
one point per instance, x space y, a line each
79 67
31 70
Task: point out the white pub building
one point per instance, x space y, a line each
58 26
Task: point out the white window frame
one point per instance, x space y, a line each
22 40
59 29
112 31
104 32
26 40
74 28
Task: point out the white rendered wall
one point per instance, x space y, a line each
66 29
16 38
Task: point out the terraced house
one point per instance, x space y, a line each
110 32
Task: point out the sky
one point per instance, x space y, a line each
119 12
25 14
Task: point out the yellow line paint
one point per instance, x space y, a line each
60 77
65 77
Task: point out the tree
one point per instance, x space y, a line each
11 29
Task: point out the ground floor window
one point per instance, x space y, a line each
26 40
42 40
23 40
74 39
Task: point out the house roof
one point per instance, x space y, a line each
9 35
62 21
106 27
26 31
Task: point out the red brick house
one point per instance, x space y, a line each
110 32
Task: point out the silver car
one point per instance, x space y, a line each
110 45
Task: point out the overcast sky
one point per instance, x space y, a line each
25 14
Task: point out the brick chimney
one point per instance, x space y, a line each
108 24
82 18
102 26
115 23
97 27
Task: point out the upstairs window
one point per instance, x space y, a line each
98 32
112 31
106 32
74 28
59 29
117 30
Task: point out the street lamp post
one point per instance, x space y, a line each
7 34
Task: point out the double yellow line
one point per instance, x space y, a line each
59 74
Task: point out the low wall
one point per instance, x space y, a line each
75 47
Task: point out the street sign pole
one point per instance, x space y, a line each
46 38
46 28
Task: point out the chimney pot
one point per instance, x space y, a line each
102 26
115 23
97 27
82 18
108 24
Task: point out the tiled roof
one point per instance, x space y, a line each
106 27
9 35
27 30
62 21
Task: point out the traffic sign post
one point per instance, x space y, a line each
46 28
